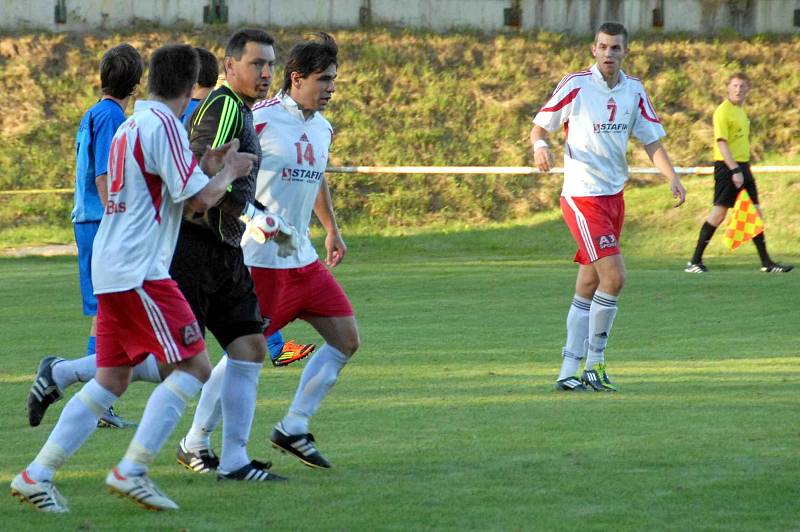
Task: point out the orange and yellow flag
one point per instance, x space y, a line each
744 224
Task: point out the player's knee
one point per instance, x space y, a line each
114 382
350 343
615 282
586 287
203 373
716 216
612 282
354 345
249 348
164 370
117 387
198 367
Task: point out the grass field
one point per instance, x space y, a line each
447 418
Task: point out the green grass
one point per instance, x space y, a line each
446 419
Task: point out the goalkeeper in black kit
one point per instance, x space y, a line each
209 267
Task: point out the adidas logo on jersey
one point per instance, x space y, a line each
303 138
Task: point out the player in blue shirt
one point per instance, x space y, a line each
120 72
206 81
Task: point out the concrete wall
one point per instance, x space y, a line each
440 15
319 13
572 16
747 17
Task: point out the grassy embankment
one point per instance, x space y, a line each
417 98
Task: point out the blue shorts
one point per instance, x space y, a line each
84 238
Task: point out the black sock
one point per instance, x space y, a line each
706 232
761 246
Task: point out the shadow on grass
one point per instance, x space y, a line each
544 239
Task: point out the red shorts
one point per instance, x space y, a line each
595 223
285 295
152 319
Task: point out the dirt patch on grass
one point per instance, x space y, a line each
52 250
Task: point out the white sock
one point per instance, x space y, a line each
146 370
239 390
577 333
318 378
161 415
69 372
77 422
601 317
209 410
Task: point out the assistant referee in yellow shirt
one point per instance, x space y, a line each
732 172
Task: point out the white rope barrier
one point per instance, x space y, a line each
467 170
530 170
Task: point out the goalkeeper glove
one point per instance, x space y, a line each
263 226
287 242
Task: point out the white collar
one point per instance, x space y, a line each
598 77
290 105
143 105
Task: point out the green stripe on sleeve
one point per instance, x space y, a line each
227 121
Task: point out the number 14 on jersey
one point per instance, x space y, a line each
306 154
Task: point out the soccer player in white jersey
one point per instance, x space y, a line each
152 173
295 139
599 109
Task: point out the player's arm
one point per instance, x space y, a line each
220 122
335 247
727 156
550 117
541 149
234 165
660 158
721 132
102 188
103 130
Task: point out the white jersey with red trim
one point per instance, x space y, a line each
294 155
598 122
151 171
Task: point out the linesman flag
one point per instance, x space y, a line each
745 223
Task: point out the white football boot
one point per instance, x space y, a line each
41 495
141 490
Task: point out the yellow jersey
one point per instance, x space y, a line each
732 125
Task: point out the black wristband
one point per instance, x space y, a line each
737 170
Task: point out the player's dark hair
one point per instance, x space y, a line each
173 71
740 75
310 57
238 41
612 28
120 71
209 68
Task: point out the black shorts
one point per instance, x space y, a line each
217 285
725 191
